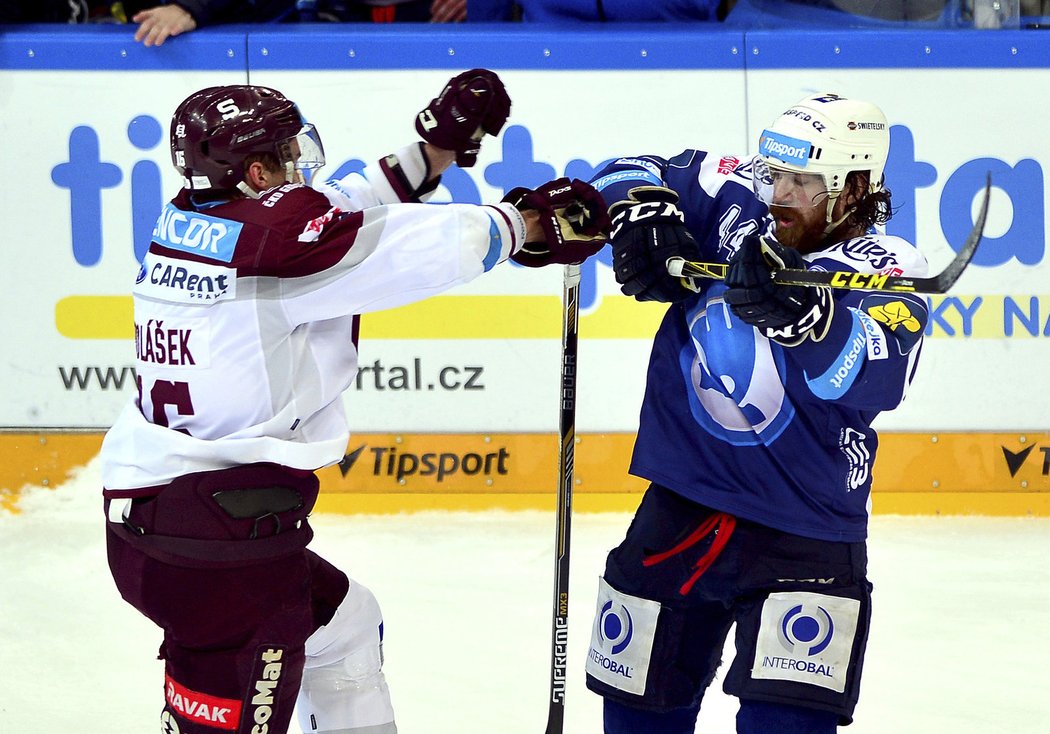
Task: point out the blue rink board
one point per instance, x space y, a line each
507 46
515 46
60 47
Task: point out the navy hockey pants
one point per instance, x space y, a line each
801 608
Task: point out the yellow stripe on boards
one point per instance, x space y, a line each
539 317
441 317
95 317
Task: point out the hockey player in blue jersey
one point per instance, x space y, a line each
755 430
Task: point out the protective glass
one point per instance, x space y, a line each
776 186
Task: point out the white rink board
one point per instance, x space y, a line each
563 121
41 266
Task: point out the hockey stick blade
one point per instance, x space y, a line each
939 283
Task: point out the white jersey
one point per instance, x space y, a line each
246 316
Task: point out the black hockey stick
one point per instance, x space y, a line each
939 283
566 458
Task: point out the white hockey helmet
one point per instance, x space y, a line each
829 135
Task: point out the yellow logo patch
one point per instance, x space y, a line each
894 314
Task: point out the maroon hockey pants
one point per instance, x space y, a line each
236 595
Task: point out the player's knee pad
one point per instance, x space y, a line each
652 656
805 649
344 690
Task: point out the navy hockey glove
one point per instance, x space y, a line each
648 229
471 105
573 217
784 313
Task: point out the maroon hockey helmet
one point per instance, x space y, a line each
214 130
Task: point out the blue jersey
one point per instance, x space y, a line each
778 435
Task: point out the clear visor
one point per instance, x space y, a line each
305 149
301 155
776 186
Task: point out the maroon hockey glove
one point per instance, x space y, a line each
471 105
784 313
573 217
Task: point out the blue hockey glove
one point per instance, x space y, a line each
787 314
648 229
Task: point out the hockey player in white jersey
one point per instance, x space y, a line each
246 324
756 427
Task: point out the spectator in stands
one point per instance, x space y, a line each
383 11
45 11
907 10
158 22
600 11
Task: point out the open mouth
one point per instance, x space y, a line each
783 218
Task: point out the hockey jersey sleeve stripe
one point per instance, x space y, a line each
506 234
398 178
840 375
495 247
406 171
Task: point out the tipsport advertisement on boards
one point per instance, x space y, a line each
485 356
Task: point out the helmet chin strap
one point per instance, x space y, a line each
248 191
833 224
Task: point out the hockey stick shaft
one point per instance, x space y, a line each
563 525
939 283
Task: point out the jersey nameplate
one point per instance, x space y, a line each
170 342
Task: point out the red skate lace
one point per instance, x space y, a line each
722 524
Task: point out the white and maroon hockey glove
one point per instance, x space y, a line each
573 218
473 104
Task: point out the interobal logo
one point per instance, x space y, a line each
806 631
615 627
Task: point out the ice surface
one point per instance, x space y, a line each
959 642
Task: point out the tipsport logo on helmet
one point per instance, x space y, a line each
807 638
784 148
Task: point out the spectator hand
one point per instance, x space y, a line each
784 313
157 24
471 105
648 230
569 222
